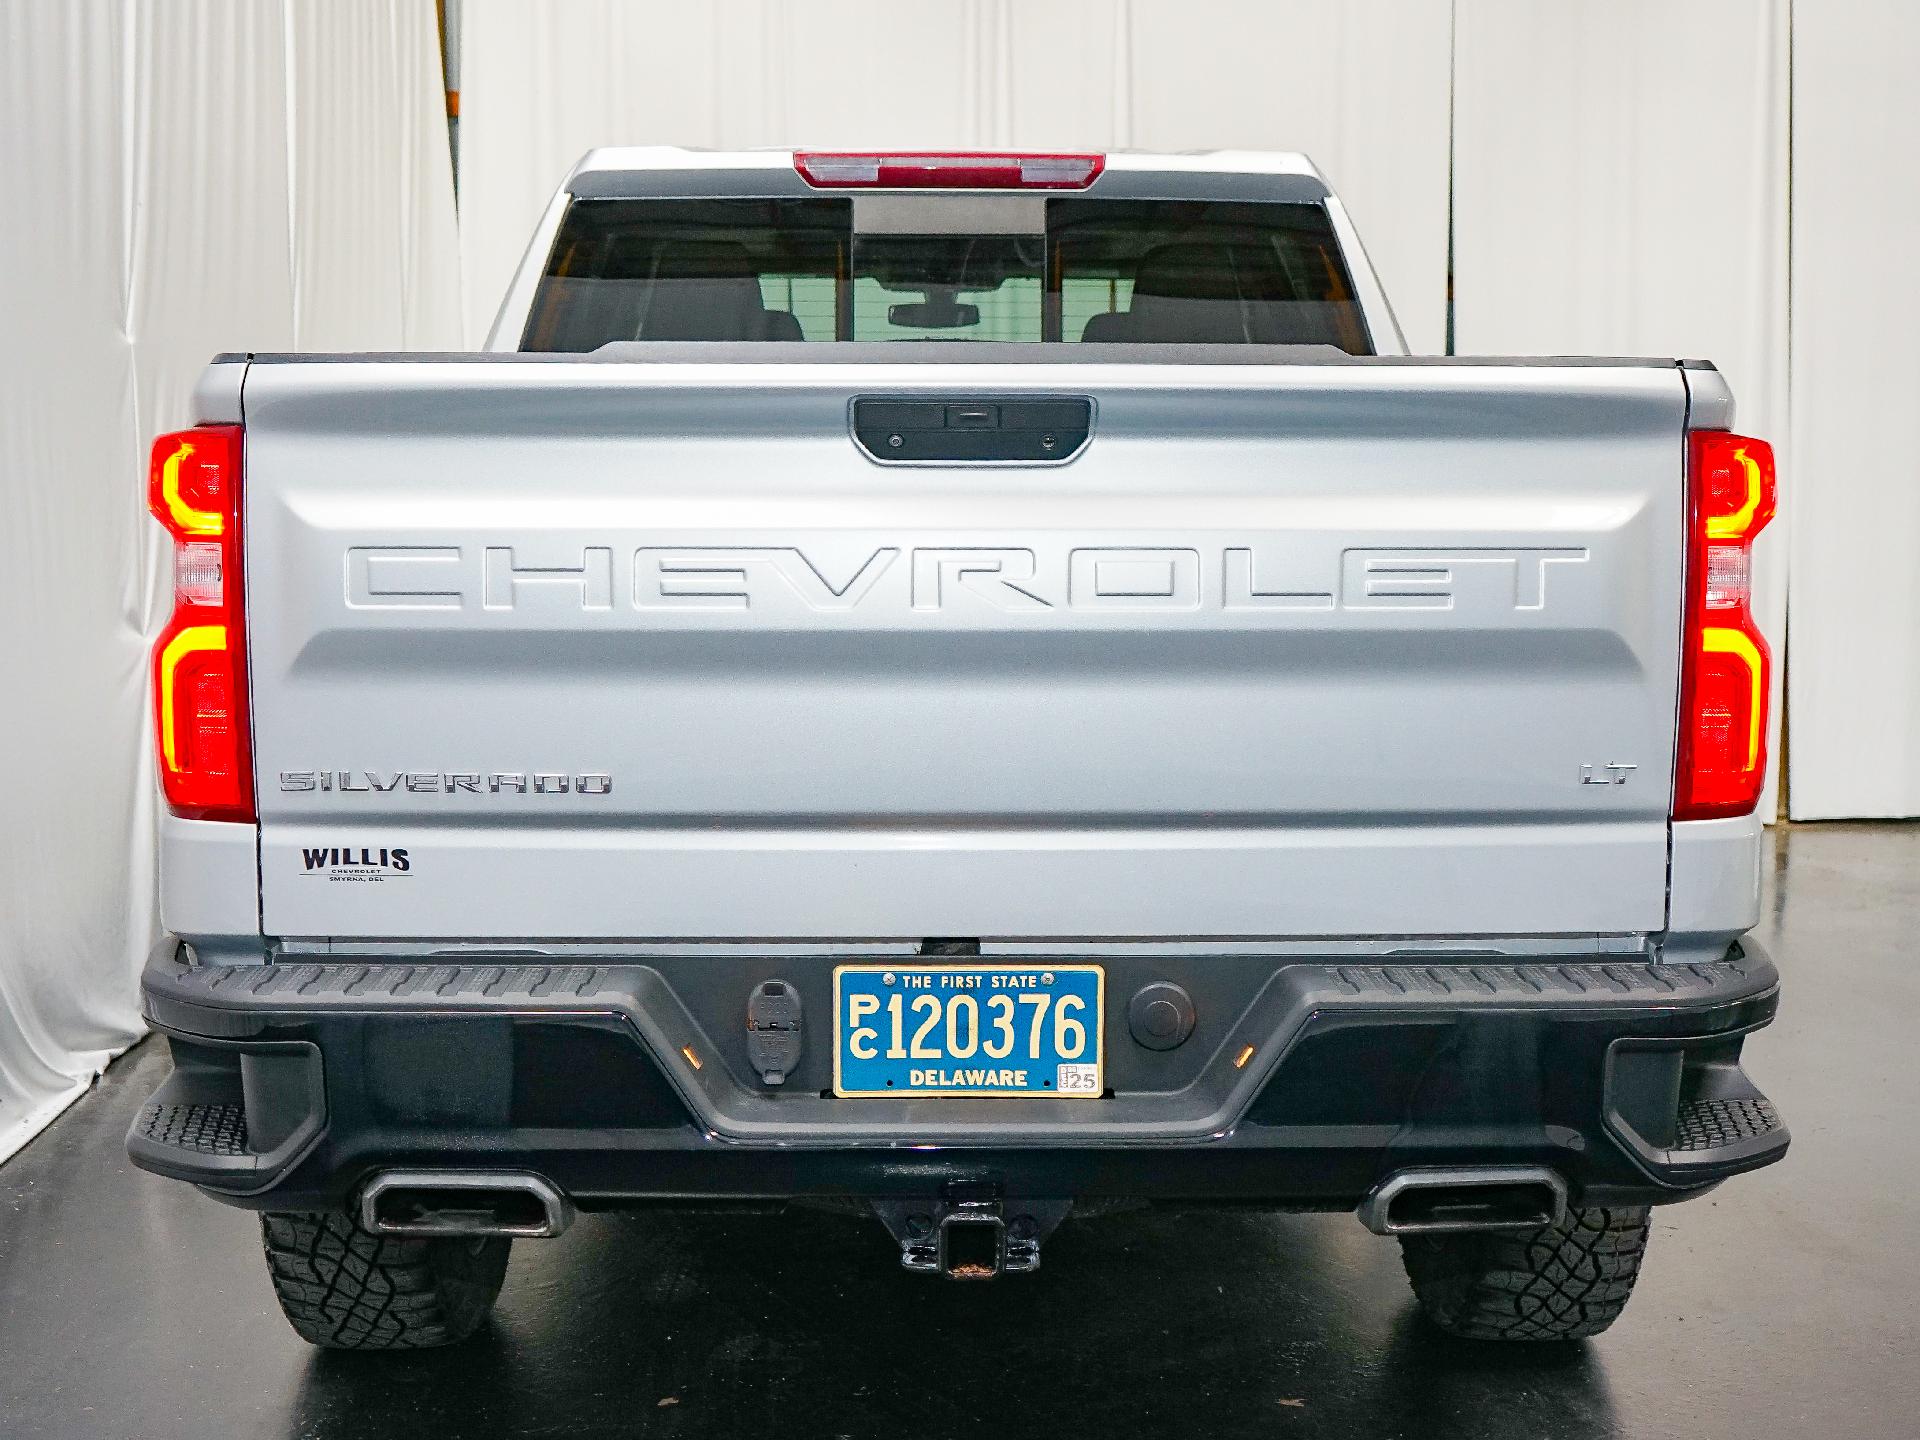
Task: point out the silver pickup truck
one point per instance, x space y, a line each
970 688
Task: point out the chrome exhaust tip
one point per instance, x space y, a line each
425 1203
1455 1200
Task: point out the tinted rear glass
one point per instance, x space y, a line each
1107 271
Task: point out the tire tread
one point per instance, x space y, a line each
343 1288
1560 1282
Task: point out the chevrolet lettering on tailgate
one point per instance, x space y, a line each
1003 578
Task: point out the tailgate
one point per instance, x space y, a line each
576 649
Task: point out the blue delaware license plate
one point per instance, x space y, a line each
968 1030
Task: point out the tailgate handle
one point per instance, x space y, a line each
972 429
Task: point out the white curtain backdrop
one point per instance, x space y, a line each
1853 676
1361 86
1620 188
178 178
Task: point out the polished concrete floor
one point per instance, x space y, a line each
1786 1304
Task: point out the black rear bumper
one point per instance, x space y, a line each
1304 1084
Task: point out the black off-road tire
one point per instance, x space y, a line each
345 1289
1560 1282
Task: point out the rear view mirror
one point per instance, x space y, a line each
933 315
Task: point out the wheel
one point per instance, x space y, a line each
1560 1282
346 1289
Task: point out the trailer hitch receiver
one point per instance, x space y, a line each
970 1232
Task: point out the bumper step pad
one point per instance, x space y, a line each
216 1129
1713 1124
233 1118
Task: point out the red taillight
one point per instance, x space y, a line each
200 659
834 170
1722 760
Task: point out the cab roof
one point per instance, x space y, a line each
669 171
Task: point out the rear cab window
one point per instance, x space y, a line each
950 267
